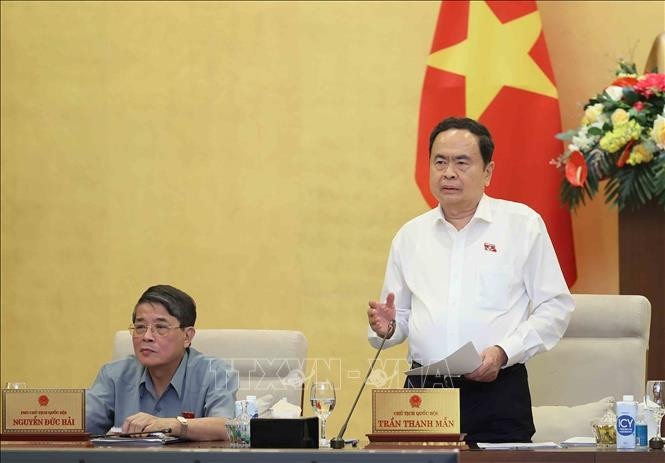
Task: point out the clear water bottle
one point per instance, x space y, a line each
641 439
626 415
238 408
252 409
244 426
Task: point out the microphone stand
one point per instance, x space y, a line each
338 442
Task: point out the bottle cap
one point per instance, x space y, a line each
628 398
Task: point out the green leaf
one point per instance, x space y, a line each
641 117
570 195
626 68
594 131
567 135
629 96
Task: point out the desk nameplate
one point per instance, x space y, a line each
43 411
431 411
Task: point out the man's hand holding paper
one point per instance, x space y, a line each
493 358
464 360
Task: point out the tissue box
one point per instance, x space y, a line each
284 433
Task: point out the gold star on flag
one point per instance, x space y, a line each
494 55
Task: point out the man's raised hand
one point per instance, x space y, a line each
379 315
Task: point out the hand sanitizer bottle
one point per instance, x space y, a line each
626 414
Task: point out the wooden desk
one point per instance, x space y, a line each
204 452
208 452
570 455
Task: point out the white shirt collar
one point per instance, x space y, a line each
483 211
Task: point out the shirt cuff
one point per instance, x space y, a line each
513 349
375 340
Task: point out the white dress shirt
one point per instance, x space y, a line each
497 281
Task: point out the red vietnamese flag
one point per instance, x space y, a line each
489 62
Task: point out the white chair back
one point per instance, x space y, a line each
603 353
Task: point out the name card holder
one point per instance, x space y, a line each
43 414
416 418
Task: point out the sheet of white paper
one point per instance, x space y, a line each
151 439
579 442
518 446
464 360
113 438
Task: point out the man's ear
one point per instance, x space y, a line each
189 335
489 169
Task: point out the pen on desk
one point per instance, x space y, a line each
130 434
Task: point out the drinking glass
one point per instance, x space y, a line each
322 398
654 400
16 385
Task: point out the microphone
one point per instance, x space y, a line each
338 442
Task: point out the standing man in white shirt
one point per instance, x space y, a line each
474 269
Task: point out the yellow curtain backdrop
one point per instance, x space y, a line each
257 155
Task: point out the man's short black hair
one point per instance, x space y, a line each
177 303
485 143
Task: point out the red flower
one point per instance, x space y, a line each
626 154
576 169
639 105
650 84
625 81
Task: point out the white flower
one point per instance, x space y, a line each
614 92
658 132
583 141
593 114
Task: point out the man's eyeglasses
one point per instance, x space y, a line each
162 329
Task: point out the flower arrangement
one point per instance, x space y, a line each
621 139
